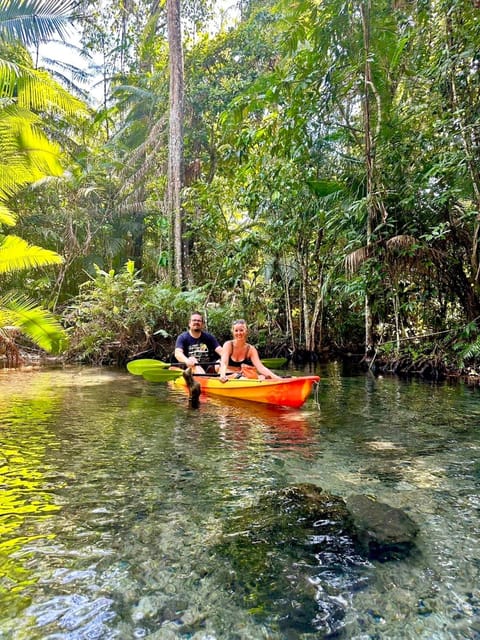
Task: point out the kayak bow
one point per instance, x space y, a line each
288 392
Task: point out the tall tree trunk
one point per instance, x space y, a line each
288 305
460 105
304 296
175 139
369 158
311 288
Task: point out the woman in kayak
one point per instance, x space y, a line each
240 359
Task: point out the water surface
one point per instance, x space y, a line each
115 495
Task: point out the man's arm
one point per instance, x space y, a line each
180 347
181 357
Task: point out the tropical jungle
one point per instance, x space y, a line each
312 166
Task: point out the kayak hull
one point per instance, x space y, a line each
287 392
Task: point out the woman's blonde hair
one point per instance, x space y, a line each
239 321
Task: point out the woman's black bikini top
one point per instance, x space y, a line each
234 363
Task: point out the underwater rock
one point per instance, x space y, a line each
297 556
383 532
293 561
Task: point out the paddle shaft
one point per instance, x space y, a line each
156 370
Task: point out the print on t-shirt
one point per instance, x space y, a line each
199 351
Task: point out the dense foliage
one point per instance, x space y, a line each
331 180
27 97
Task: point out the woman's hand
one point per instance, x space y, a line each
223 377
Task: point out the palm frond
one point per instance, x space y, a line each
401 242
33 321
69 76
33 21
354 260
35 88
9 72
393 247
12 177
43 155
26 153
40 91
471 350
16 254
6 216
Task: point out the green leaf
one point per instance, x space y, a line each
33 321
323 188
16 254
33 21
6 216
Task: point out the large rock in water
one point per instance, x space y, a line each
383 532
297 555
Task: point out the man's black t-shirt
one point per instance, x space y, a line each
202 348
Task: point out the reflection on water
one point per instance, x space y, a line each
26 501
115 495
249 421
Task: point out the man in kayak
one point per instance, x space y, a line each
195 346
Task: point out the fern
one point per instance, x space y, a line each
33 321
16 254
471 351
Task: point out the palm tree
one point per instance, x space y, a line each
26 153
20 312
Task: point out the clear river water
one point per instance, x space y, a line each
115 497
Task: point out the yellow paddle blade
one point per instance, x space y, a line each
137 367
161 375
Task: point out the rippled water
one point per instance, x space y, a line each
114 496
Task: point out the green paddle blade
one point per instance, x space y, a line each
137 367
274 363
161 375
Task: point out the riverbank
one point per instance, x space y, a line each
433 360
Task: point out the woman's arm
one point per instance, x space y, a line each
257 363
226 351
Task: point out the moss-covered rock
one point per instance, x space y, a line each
293 560
297 555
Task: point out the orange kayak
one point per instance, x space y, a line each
288 392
